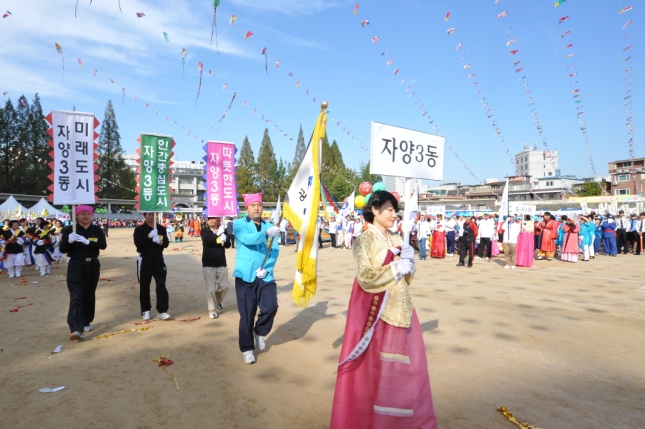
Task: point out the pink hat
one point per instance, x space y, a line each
251 198
80 209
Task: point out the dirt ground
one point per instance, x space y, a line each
560 345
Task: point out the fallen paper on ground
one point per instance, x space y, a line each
58 349
50 390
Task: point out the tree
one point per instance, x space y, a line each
590 189
38 149
116 179
365 176
337 157
267 168
301 149
245 172
8 133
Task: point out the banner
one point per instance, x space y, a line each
221 190
348 205
73 135
521 209
605 199
402 152
434 209
155 153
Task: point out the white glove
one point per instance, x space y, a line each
153 233
220 230
20 240
223 238
155 239
407 252
40 243
72 237
274 231
261 273
401 268
82 240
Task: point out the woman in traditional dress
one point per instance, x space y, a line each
382 379
547 230
438 249
570 241
587 231
525 243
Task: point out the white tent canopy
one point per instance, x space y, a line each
43 209
12 209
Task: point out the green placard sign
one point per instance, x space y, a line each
154 165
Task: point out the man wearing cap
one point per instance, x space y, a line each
254 284
151 239
83 270
622 224
214 243
15 239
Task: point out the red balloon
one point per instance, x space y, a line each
396 195
365 188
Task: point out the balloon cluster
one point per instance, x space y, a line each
366 190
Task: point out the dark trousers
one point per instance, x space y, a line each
320 239
637 238
147 268
484 246
250 296
82 278
450 238
283 238
333 240
466 248
621 240
232 238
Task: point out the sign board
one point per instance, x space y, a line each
521 209
584 206
74 163
155 153
434 209
402 152
221 190
608 199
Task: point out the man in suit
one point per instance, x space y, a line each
254 284
622 225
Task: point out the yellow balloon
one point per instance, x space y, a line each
359 202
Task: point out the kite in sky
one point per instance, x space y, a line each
183 60
467 66
383 53
356 6
390 61
165 36
224 86
508 32
375 39
451 30
496 2
266 59
471 75
59 49
625 9
200 67
277 64
565 34
510 42
248 34
6 15
211 72
627 24
513 52
564 18
570 45
140 15
627 48
214 24
515 63
122 96
569 56
232 20
559 2
502 15
519 70
447 18
458 47
396 71
94 72
365 23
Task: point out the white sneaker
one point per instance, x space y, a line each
248 357
18 274
259 341
11 276
506 267
76 336
42 274
212 314
146 316
488 259
88 328
477 257
163 316
513 267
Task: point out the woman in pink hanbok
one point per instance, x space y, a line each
382 379
570 241
525 243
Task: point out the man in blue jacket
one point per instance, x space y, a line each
254 284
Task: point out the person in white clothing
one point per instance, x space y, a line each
348 230
423 234
486 231
449 226
511 230
284 223
332 231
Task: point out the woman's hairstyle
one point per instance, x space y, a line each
376 201
564 217
527 217
547 213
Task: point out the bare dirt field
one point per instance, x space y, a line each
560 344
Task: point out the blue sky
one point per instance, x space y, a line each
323 44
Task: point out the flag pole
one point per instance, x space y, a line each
270 243
74 218
407 222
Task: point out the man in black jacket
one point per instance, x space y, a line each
83 270
467 243
214 241
15 239
151 239
229 232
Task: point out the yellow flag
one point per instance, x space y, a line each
302 212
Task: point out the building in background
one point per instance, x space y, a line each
536 163
627 176
187 182
397 184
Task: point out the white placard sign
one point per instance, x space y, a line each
521 209
406 153
73 153
435 209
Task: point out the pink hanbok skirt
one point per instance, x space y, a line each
388 385
494 248
570 257
524 250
